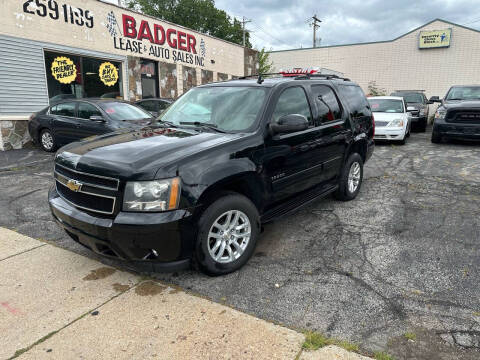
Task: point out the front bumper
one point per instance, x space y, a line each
150 241
385 133
457 131
418 119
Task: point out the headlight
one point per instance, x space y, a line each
157 195
422 112
440 114
395 123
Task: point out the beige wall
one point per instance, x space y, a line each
398 64
228 57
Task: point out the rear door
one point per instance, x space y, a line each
335 129
64 122
87 127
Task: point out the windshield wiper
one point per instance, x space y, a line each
202 124
167 123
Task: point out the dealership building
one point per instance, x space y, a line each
60 49
432 57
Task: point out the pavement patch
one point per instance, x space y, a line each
13 243
154 323
42 290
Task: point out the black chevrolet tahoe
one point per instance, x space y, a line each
196 186
458 116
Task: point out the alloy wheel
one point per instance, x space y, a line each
229 236
47 140
354 177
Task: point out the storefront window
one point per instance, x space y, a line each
149 79
74 77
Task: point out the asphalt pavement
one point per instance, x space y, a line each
401 258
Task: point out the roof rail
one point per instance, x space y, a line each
325 76
409 90
260 77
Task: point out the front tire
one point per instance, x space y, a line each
351 178
436 137
227 235
47 141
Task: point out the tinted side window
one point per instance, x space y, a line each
148 105
356 100
292 101
327 103
65 109
85 110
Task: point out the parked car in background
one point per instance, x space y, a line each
392 120
72 120
196 186
458 116
417 105
154 105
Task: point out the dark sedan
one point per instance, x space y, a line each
154 105
72 120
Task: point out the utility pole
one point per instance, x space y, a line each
244 21
315 27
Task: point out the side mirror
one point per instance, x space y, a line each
289 123
434 99
97 118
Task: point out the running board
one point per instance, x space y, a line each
296 203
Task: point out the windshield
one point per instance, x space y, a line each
123 111
410 97
386 105
228 108
464 93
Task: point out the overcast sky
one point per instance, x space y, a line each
283 24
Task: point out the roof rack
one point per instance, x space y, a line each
325 76
260 77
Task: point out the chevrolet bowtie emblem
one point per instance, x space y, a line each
74 185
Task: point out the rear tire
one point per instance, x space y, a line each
351 178
227 220
47 140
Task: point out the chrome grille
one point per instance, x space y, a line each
86 191
381 123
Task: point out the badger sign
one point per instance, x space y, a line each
108 73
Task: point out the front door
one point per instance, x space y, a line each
87 127
289 162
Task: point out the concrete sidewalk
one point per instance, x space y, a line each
55 304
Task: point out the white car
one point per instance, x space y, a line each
392 120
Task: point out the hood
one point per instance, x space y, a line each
138 154
383 116
461 104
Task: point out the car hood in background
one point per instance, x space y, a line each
461 104
138 153
387 117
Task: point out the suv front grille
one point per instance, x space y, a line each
86 191
464 116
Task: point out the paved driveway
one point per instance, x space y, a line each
404 256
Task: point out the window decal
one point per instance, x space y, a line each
108 73
64 70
